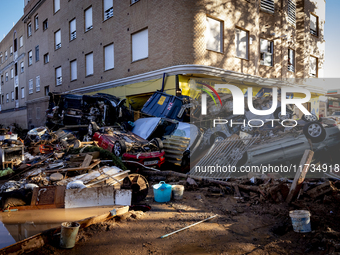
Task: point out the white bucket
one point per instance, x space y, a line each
300 221
177 192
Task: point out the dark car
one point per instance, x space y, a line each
72 109
130 146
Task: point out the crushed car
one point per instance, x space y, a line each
129 146
71 109
180 140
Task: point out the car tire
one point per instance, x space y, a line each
314 131
217 137
277 114
309 118
92 128
119 148
158 142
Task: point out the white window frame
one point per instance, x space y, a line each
291 60
214 34
266 52
6 55
109 57
6 76
59 76
30 86
7 98
314 24
89 64
29 29
12 95
56 5
88 19
46 57
45 24
11 50
12 73
240 34
108 9
73 30
37 84
313 67
22 67
73 70
57 39
134 1
22 92
36 22
140 45
30 58
21 41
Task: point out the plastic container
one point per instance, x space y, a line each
68 235
177 192
162 192
300 221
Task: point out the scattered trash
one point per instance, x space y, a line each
177 192
301 221
162 192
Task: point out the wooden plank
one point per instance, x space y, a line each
39 240
87 161
74 169
300 175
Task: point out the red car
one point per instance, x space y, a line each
130 146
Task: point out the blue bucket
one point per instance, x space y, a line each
162 192
300 221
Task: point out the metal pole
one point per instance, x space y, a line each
189 226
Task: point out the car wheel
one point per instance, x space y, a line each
119 148
314 131
246 128
310 118
158 142
217 137
278 115
92 128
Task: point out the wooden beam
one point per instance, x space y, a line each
300 175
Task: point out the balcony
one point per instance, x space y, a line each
16 81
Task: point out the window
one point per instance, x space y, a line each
314 24
73 66
47 90
23 92
291 60
267 6
140 48
30 86
134 1
7 98
57 39
36 22
56 5
15 45
109 57
16 96
22 67
11 50
88 19
12 73
59 78
16 69
291 12
30 58
37 53
29 29
6 55
37 84
241 43
6 75
46 58
313 66
266 52
12 94
45 24
0 57
73 33
108 9
21 42
214 35
89 64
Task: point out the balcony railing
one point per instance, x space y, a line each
108 13
267 6
59 80
291 68
73 35
58 46
313 32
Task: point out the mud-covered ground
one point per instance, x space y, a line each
250 226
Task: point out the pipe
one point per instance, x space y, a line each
163 82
